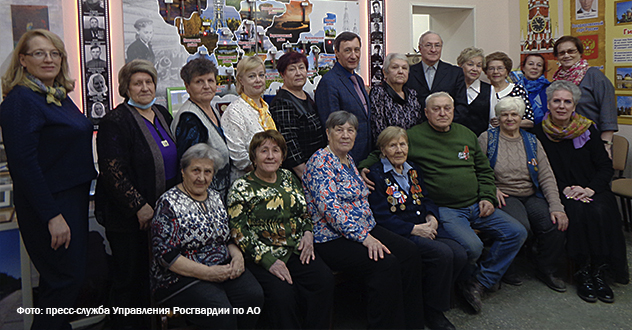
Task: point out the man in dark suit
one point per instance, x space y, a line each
443 77
342 89
94 32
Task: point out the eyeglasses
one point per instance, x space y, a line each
40 54
569 52
431 46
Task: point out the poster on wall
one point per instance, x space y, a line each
169 34
377 30
588 24
95 61
24 18
621 34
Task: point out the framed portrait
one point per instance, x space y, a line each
587 9
176 96
623 12
5 197
623 75
624 109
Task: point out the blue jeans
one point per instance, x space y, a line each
507 233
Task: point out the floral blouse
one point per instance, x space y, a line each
184 227
336 199
267 220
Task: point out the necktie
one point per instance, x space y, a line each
430 73
359 91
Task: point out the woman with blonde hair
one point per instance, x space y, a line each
48 143
247 115
472 61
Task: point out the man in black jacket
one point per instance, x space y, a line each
433 75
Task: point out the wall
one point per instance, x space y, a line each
505 25
500 33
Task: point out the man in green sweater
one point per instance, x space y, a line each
461 183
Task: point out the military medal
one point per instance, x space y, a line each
395 196
415 189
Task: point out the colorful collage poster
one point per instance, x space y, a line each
170 33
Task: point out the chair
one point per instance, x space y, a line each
621 186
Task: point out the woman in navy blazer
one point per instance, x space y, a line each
49 149
401 205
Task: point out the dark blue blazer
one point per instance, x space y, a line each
335 92
448 78
399 222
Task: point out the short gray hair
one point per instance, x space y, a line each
200 151
438 94
429 32
564 85
389 134
510 103
393 56
470 53
339 118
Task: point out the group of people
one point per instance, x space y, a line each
258 206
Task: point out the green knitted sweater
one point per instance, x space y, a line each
456 171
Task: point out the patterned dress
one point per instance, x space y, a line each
267 220
389 109
185 227
337 199
512 90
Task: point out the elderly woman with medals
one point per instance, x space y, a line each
401 205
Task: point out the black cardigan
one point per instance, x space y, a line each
477 117
131 167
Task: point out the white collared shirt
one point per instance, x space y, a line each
495 97
473 91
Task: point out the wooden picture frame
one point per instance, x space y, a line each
624 109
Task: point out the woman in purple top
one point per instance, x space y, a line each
137 163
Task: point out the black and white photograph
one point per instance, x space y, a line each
98 110
93 6
376 10
95 58
147 36
93 28
97 85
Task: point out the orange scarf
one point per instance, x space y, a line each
265 119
